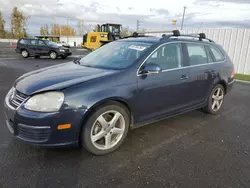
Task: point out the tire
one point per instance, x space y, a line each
64 56
98 138
212 108
53 55
25 53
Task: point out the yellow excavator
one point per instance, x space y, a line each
105 33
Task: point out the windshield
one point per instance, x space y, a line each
50 43
115 55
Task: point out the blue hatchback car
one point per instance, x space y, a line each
94 101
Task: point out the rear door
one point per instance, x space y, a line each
165 92
32 46
201 75
42 48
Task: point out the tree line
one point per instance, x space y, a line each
58 30
18 29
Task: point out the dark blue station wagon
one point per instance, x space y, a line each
127 83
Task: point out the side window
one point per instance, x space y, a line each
41 43
218 56
168 56
33 42
197 54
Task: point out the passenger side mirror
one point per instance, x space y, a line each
151 68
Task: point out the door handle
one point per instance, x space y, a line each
184 77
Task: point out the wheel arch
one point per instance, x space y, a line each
223 83
110 100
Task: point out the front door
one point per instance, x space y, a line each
162 93
42 48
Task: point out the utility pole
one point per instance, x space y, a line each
183 17
69 31
138 25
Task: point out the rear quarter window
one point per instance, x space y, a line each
23 41
217 54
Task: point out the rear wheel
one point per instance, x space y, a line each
25 53
105 129
216 100
53 55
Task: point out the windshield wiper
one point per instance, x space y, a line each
77 61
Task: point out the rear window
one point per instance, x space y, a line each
23 41
218 56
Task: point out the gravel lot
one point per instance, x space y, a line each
190 150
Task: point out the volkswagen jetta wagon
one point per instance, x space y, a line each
94 101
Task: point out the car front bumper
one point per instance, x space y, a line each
41 129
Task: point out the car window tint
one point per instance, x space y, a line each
217 53
167 57
41 43
197 54
33 42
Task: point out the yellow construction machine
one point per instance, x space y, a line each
105 33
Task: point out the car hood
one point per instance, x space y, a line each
57 77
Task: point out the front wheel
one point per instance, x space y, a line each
105 129
215 100
53 55
64 56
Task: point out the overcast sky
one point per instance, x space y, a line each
156 14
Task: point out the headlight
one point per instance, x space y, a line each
62 50
45 102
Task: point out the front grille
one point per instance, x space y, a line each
33 133
17 98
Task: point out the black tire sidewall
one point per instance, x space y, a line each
86 129
209 105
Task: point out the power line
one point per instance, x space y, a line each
219 8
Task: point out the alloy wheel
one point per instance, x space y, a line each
53 55
217 99
24 53
107 130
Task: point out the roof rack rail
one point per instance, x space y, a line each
200 36
171 33
142 34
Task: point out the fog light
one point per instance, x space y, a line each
64 126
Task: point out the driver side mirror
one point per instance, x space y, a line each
151 68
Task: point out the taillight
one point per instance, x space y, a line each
233 73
